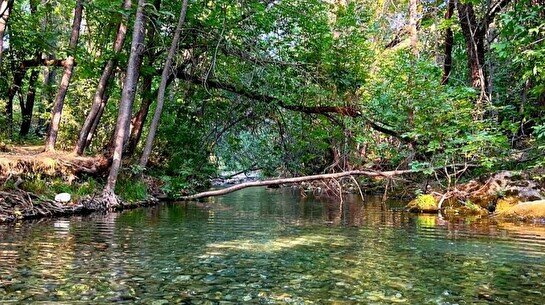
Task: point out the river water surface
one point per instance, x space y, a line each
261 246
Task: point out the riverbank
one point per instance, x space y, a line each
22 205
31 179
509 196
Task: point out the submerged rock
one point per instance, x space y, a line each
525 210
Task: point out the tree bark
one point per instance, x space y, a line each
28 107
65 80
449 43
167 70
18 76
138 120
386 174
99 100
474 32
5 9
127 97
474 37
96 121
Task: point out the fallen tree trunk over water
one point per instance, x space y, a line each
386 174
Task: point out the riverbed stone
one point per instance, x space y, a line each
526 210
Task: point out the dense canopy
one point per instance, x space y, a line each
291 88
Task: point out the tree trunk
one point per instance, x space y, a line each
474 38
15 88
96 121
138 121
99 100
5 9
140 117
387 174
49 75
127 97
167 70
449 43
65 80
28 107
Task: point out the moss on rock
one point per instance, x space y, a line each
424 203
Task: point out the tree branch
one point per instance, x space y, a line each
348 111
369 173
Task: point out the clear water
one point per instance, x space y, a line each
261 246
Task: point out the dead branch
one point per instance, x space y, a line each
369 173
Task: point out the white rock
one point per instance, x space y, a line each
63 197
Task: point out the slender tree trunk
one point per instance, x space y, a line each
49 73
449 43
474 35
138 120
65 80
15 88
5 9
167 70
386 174
28 107
99 100
96 121
127 97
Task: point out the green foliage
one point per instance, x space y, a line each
260 73
131 188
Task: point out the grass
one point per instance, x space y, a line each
50 187
131 188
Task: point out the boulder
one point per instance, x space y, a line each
525 210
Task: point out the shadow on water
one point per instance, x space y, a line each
273 247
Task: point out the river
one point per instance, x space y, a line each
263 246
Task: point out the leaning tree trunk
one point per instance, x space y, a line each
5 8
18 76
99 100
449 43
167 70
28 107
368 173
56 112
127 97
137 122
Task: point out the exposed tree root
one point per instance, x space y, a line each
386 174
17 205
21 205
501 185
27 162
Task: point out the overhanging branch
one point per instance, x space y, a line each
347 111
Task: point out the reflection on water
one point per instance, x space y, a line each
271 247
